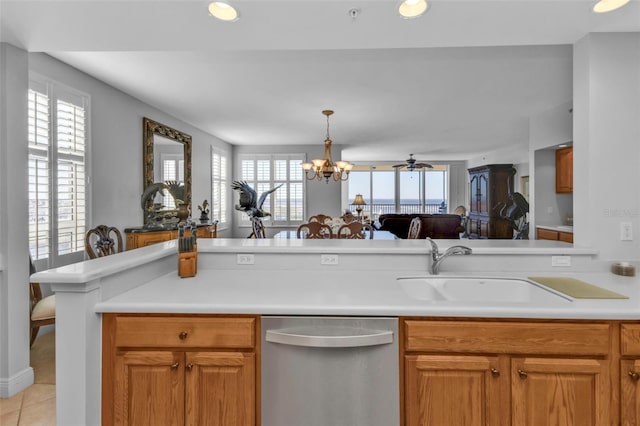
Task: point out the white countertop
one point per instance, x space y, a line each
350 293
559 228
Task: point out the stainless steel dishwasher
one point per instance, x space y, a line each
330 371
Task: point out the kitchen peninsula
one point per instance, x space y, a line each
595 339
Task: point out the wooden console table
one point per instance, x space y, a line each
140 237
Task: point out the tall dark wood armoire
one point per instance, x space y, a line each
490 186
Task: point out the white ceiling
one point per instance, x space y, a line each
461 80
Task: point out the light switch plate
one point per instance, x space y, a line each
245 259
626 231
328 259
561 261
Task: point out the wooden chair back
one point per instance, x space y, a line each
314 230
355 230
43 310
322 218
349 217
414 228
102 241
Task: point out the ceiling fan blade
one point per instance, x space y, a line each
423 165
400 165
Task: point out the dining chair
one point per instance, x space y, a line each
355 230
103 241
322 218
314 230
43 310
349 217
414 229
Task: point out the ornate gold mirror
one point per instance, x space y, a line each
166 156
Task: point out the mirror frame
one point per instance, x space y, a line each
150 128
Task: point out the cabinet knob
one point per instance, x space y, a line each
189 366
174 366
183 335
522 374
495 372
634 376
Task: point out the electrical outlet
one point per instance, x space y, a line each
626 231
560 260
245 259
328 259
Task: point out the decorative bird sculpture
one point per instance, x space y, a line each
252 205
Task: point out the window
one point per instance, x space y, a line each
390 190
57 172
219 187
264 172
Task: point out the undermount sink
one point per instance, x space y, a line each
479 289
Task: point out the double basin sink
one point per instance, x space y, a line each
479 289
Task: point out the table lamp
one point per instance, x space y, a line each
359 202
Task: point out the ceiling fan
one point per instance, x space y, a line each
411 164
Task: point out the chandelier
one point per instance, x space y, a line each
326 168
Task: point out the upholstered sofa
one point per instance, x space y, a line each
433 225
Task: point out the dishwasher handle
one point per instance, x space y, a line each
339 339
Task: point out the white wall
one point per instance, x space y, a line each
116 146
606 121
15 372
547 129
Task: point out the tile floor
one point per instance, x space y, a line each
36 405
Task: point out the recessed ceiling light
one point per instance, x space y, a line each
412 8
223 11
608 5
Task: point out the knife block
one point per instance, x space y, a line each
188 263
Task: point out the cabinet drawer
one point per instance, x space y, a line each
567 237
507 337
184 332
546 234
630 339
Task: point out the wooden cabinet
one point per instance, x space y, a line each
454 390
489 187
548 234
137 237
564 170
560 391
630 374
179 370
492 372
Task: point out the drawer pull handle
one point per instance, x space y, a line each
522 374
634 376
183 335
174 366
189 367
495 372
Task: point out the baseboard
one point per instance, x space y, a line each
16 383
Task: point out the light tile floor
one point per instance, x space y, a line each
36 405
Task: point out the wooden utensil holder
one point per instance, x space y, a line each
188 263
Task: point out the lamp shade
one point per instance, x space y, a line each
359 200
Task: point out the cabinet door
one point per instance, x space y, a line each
454 390
149 388
483 193
553 391
630 392
564 170
221 388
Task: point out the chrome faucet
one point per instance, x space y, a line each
438 257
